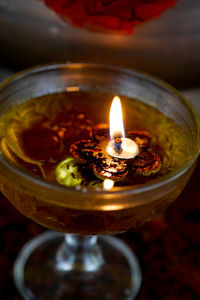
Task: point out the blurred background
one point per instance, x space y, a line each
168 47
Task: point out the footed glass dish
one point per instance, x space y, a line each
81 258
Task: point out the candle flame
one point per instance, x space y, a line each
116 120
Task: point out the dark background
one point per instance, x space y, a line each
168 247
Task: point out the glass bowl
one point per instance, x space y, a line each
47 267
67 209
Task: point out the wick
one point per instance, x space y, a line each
118 144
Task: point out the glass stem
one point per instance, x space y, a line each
79 253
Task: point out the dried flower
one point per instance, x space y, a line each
94 154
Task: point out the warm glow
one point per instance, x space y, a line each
116 120
108 184
119 146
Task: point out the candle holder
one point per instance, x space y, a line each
77 264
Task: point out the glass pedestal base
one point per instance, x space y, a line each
57 266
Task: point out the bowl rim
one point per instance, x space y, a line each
130 190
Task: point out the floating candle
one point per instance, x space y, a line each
119 146
121 156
